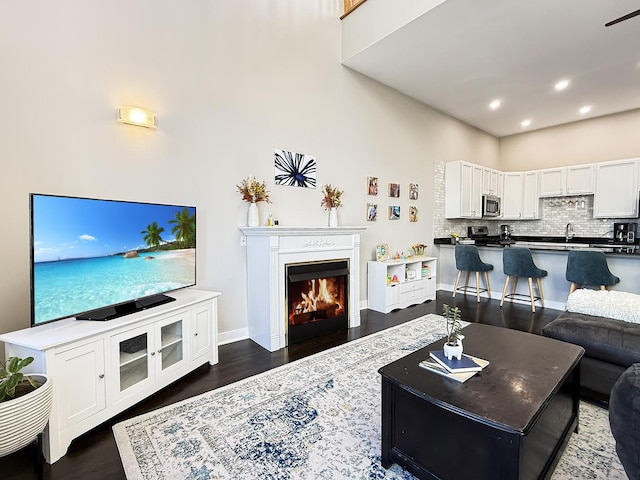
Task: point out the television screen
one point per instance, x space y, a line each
99 259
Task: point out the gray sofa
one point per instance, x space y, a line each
611 346
624 418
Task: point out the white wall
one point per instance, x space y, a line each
601 139
230 81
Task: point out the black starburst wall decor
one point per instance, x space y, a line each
295 169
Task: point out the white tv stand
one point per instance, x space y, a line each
99 369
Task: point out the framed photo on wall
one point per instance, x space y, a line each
394 212
372 185
372 212
413 213
413 191
394 190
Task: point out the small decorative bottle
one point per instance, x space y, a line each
270 220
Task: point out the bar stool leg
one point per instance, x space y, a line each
573 287
486 284
539 282
455 287
533 302
504 290
466 281
478 286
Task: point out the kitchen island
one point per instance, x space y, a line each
547 254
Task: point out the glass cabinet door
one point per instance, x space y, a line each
134 360
171 349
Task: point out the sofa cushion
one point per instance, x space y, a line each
603 338
604 303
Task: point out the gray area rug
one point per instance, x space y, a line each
315 418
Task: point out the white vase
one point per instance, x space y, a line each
333 217
253 215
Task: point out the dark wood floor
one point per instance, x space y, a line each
95 455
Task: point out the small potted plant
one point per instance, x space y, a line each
453 345
253 191
331 201
25 404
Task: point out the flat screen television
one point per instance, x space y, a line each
98 259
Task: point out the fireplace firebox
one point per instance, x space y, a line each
317 299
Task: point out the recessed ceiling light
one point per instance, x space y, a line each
561 85
495 104
585 109
525 123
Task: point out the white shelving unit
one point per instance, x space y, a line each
398 284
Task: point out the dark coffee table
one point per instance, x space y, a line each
510 421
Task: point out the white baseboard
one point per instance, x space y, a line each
232 336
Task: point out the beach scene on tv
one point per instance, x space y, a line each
88 253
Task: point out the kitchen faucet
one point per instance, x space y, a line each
568 232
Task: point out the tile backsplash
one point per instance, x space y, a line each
555 213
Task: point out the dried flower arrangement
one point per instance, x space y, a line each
331 197
253 191
418 248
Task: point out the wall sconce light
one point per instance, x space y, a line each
137 116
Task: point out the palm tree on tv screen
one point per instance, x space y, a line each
152 235
184 228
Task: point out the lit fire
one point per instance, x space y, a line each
317 303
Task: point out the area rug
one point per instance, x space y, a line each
315 418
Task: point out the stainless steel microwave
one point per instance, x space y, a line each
490 206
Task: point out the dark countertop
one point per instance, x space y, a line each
608 245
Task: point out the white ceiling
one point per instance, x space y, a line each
462 54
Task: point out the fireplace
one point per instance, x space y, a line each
317 299
271 251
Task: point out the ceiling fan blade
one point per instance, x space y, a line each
622 18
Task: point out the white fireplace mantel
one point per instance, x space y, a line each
269 250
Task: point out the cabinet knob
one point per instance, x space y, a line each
195 334
101 375
153 353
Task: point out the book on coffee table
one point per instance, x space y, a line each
466 364
431 365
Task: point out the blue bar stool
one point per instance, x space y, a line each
589 267
517 262
468 260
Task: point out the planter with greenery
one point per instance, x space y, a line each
453 345
25 404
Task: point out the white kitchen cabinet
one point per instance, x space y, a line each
520 199
553 182
512 196
616 190
398 284
491 182
99 369
530 197
580 179
564 181
463 190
